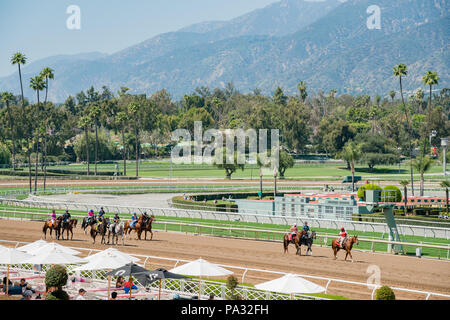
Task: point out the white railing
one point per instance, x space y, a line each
369 289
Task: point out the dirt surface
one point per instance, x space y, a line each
398 271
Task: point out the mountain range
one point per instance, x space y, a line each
326 44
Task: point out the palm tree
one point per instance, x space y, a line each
133 110
19 58
95 113
47 73
302 89
7 97
392 95
419 97
400 71
431 79
122 120
351 153
422 165
85 122
446 184
405 183
37 83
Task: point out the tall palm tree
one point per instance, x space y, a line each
422 165
419 97
431 79
405 183
95 113
351 153
302 89
122 120
133 110
47 73
7 97
19 59
38 84
400 71
85 122
446 184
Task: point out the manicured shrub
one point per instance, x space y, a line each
56 278
391 194
385 293
363 188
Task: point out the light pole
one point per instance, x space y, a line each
444 143
260 182
432 135
275 172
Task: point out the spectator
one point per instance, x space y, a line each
81 294
129 286
120 282
16 289
211 296
30 288
27 295
23 284
113 296
4 284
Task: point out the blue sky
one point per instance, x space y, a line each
38 27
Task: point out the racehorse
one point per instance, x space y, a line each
298 240
116 229
100 229
138 227
69 227
348 244
148 227
88 222
55 226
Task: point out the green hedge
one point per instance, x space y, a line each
221 206
364 187
388 196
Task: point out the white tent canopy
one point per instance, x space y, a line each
291 284
55 256
51 247
201 268
33 246
111 252
13 256
107 261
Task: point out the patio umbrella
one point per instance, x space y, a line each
201 268
33 246
11 256
51 247
158 274
291 284
107 261
130 269
54 256
111 251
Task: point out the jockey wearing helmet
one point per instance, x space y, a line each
306 229
66 217
116 218
53 217
342 236
133 220
294 230
100 214
91 215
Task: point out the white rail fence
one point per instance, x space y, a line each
190 287
230 231
412 230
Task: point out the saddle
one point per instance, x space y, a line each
291 237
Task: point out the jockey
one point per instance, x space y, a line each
294 230
116 218
66 217
100 214
133 220
306 229
342 236
53 217
91 215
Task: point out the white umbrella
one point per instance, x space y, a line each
201 268
51 247
291 284
55 256
12 256
33 246
113 252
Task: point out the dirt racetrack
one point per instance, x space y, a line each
398 271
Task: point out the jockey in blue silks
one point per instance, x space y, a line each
306 229
133 220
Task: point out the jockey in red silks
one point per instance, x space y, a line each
342 236
294 231
91 215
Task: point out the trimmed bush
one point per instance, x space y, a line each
56 277
363 188
385 293
388 194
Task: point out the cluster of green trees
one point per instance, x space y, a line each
103 125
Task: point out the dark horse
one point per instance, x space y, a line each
347 246
299 240
148 226
87 222
56 226
138 227
100 229
69 227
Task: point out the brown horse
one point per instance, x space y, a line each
138 227
347 246
52 226
148 227
298 241
69 227
101 229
